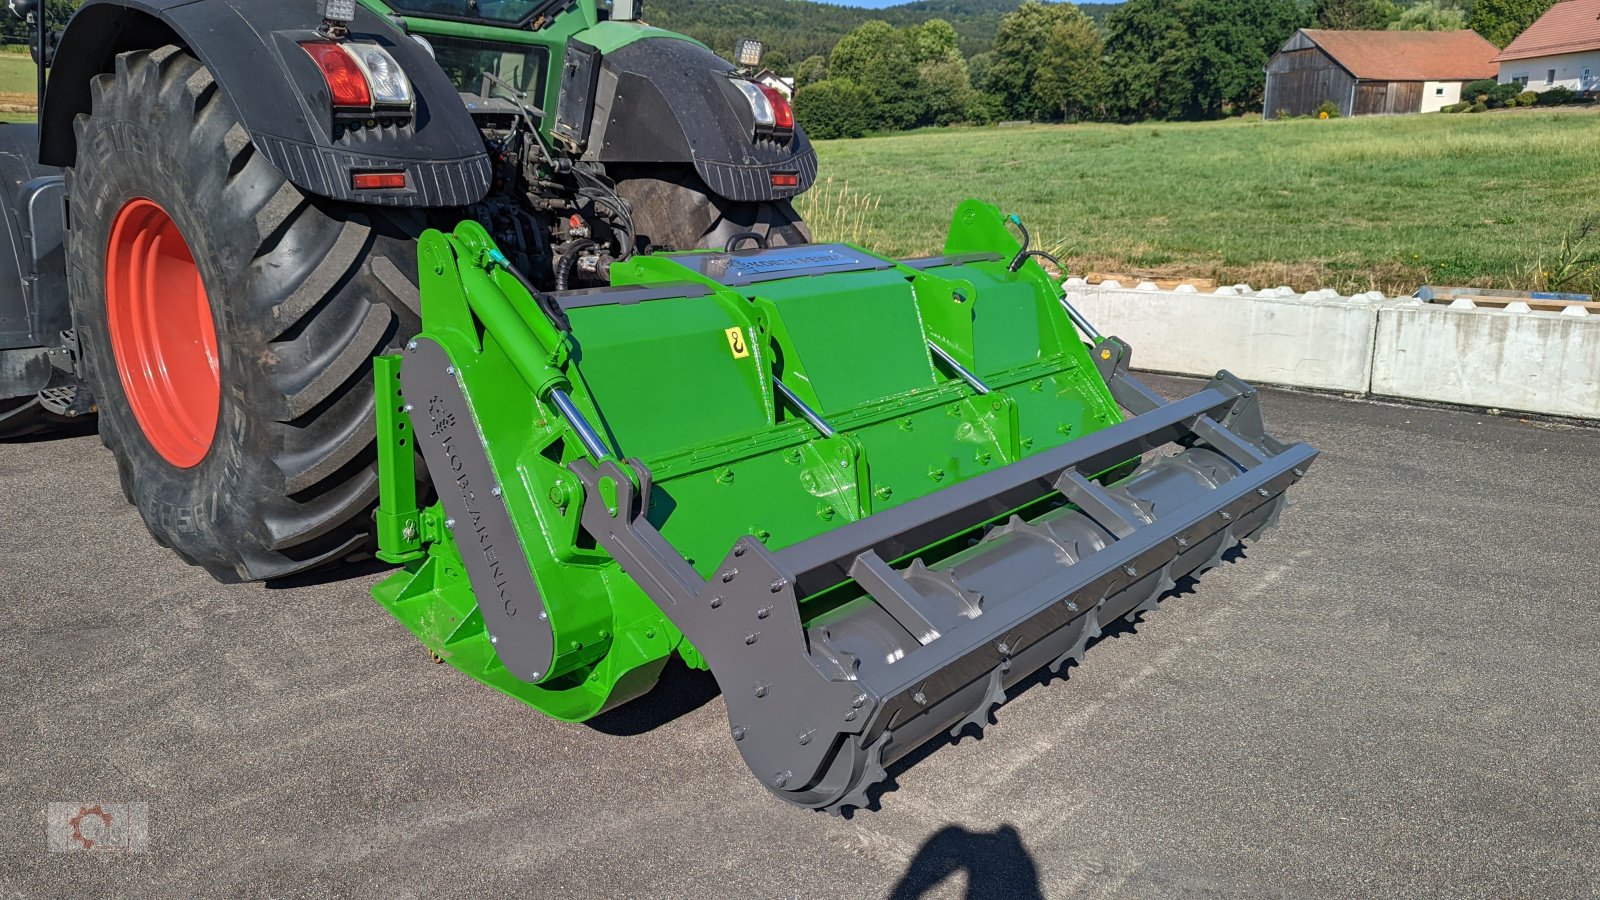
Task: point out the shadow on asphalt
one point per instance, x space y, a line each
680 691
997 865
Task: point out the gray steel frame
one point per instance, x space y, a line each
817 724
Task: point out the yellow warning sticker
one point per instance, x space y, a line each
737 344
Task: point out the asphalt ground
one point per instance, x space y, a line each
1396 693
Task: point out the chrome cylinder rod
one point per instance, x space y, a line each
1089 331
962 371
587 435
806 412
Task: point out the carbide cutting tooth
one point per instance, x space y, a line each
872 773
993 696
1091 630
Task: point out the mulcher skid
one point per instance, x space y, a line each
868 495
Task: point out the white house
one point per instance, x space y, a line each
1561 49
771 79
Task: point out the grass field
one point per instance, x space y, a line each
18 87
1355 204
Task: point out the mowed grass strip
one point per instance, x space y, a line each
1388 203
18 86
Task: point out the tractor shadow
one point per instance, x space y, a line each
997 865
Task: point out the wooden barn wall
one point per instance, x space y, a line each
1388 98
1300 77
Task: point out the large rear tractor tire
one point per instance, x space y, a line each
227 324
676 209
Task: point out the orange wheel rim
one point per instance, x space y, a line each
162 333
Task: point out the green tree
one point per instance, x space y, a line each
1353 15
947 87
1072 80
933 41
1429 16
811 70
1194 58
1046 63
834 108
883 61
859 52
1500 21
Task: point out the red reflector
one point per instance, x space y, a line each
781 179
782 112
378 181
344 78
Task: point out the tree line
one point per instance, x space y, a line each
1052 62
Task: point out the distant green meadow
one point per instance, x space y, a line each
1388 203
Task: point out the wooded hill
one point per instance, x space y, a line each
796 29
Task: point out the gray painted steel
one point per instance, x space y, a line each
818 710
447 433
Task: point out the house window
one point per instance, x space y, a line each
1521 79
1438 92
1585 75
1550 76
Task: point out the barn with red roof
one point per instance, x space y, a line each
1364 73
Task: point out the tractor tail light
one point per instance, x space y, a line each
782 112
345 79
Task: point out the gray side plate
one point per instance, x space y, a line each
447 432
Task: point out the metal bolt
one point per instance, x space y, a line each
411 345
779 585
409 533
1227 517
649 633
1003 647
763 612
885 492
450 370
761 689
1183 542
716 602
728 575
858 701
738 549
1264 492
1072 607
495 490
738 732
493 639
409 407
543 614
780 779
844 463
450 523
537 675
752 637
920 697
804 737
1130 571
850 716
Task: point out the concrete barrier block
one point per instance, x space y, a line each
1300 342
1185 289
1489 358
1463 303
1148 286
1576 312
1517 306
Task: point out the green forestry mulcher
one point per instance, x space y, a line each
512 293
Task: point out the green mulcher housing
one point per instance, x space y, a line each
869 495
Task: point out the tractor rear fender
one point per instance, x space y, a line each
279 95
